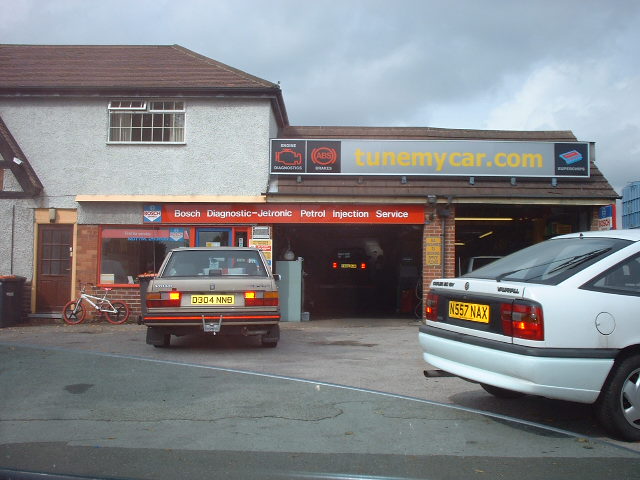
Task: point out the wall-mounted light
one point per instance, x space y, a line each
52 215
17 161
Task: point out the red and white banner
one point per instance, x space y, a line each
292 213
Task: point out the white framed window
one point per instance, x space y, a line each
136 121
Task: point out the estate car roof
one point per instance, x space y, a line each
628 234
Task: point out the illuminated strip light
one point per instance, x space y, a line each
486 234
484 219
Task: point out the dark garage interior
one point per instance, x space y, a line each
384 285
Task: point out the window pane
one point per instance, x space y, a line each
127 126
146 134
624 278
125 256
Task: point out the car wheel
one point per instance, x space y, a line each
618 408
166 341
501 392
269 344
157 337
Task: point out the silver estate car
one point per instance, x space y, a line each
212 290
558 319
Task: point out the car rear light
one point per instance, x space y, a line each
431 307
363 266
164 299
261 299
334 265
522 320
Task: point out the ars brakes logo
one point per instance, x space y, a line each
323 156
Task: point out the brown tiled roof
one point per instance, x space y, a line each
126 70
26 176
594 189
120 66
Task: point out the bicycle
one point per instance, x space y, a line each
74 312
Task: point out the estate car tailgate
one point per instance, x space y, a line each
228 293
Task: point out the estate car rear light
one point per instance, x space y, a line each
261 299
164 299
431 307
522 320
363 266
334 265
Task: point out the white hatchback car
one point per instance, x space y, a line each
559 319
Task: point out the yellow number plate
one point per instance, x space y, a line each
348 265
213 299
474 312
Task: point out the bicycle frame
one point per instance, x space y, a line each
102 300
116 312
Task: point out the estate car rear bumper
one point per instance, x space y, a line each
193 319
567 374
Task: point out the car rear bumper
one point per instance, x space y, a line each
198 320
565 374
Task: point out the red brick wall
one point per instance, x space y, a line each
87 271
434 228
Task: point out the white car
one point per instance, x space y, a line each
559 319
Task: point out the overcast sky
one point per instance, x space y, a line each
479 64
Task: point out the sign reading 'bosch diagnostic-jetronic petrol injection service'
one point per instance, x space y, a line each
263 213
430 157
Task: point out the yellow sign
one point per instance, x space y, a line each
433 251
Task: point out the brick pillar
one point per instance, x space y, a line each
439 238
86 255
595 216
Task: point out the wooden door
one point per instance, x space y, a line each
53 284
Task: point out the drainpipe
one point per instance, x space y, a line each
13 228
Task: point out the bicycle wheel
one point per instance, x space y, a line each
120 315
73 312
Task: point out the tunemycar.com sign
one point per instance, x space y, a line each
289 213
429 157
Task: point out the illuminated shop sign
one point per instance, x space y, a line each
429 157
288 213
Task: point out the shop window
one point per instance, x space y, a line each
146 122
126 252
